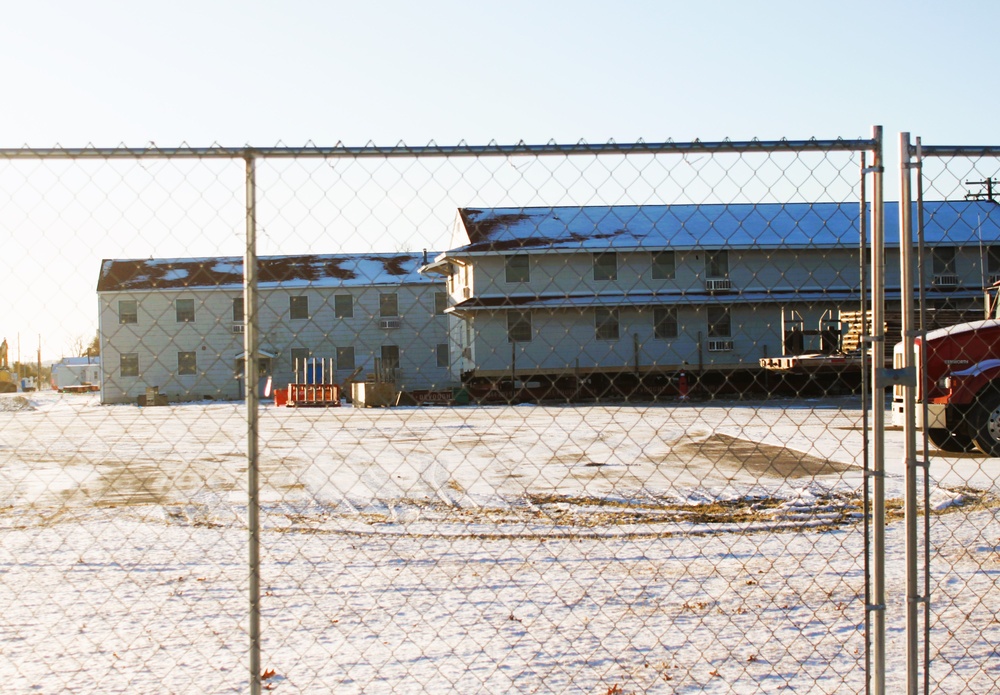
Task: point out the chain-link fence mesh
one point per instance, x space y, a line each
955 405
531 419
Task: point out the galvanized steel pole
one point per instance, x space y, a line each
878 419
909 411
250 373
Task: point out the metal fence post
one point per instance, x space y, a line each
878 419
909 413
251 346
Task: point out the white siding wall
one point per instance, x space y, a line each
565 339
573 273
158 337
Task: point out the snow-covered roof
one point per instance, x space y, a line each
324 270
734 226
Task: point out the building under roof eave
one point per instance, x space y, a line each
654 299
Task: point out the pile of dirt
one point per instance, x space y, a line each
13 404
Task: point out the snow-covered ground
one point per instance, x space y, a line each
669 548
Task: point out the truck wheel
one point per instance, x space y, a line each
950 442
986 423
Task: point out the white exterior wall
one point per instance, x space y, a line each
573 273
75 374
565 339
158 337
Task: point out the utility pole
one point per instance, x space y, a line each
989 194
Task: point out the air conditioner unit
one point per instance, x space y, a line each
239 328
718 285
388 323
720 345
945 281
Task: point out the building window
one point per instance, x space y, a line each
519 327
993 260
187 363
516 269
717 264
440 302
606 324
128 311
185 310
390 357
388 305
606 266
943 260
299 357
298 307
443 357
719 322
343 306
238 309
665 322
664 265
128 363
345 357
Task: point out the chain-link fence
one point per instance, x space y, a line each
953 405
529 419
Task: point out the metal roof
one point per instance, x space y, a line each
733 226
325 270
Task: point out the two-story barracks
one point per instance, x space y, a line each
178 324
539 295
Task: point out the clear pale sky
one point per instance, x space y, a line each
260 72
294 71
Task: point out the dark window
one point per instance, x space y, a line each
717 264
388 305
606 266
443 357
187 363
390 357
665 322
993 260
943 260
719 322
664 266
128 363
238 309
518 327
298 307
185 310
606 324
345 357
299 357
517 268
128 311
343 306
440 302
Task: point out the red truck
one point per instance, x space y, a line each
958 377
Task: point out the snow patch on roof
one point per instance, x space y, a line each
763 225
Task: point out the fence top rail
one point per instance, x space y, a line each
954 150
433 150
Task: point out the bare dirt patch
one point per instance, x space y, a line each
765 460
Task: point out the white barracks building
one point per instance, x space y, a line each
177 324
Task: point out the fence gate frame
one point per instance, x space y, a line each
917 456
